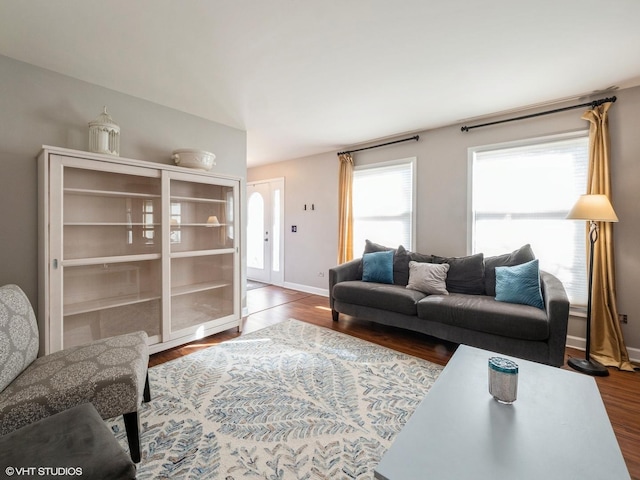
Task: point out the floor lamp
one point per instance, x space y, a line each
594 208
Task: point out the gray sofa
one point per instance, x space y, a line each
469 314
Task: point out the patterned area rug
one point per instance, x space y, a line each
291 401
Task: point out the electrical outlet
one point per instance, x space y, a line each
622 317
321 274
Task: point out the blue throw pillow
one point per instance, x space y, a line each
519 284
378 267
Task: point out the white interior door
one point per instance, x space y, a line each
265 242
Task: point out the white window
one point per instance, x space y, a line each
383 204
521 193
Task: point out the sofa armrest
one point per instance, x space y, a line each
556 304
342 273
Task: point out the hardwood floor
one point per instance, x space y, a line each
268 305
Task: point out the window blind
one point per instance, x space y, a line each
521 194
383 205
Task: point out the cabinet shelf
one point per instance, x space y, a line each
202 253
197 200
110 224
81 262
208 225
108 193
198 287
102 304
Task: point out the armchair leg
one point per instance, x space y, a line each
146 396
335 314
133 434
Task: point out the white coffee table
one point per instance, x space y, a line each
558 428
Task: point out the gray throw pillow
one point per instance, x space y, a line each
420 257
428 277
466 274
522 255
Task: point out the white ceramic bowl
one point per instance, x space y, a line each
196 159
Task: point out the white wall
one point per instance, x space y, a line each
442 176
39 107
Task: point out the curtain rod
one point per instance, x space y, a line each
415 137
594 104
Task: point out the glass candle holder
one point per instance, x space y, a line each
503 379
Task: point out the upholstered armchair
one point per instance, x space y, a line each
110 373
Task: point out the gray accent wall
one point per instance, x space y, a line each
442 200
39 107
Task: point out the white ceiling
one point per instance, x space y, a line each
310 76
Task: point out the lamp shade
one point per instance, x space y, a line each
596 208
212 221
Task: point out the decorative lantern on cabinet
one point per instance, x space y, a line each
104 135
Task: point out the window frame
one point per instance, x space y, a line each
412 163
472 151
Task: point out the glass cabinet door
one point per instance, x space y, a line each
109 259
111 299
203 251
201 216
110 214
202 289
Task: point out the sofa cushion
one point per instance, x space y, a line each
401 266
465 275
400 261
519 284
377 267
109 372
19 340
483 313
393 298
420 257
428 277
522 255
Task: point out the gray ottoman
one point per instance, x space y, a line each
75 443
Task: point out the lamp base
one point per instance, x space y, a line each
590 367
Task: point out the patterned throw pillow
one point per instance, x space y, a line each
519 284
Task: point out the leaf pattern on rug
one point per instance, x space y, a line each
291 401
327 460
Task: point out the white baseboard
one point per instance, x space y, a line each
634 355
307 289
579 343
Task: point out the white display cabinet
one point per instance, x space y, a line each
128 245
